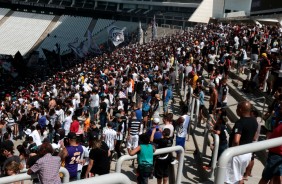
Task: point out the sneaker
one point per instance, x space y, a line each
174 162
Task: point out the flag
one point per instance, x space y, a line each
154 29
92 45
77 48
140 34
116 35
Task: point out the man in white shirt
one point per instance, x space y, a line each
110 136
183 123
67 122
94 104
34 134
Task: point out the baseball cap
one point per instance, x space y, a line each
156 120
71 135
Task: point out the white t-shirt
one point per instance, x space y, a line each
67 125
171 128
110 137
182 130
36 137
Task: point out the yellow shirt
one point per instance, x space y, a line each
86 124
194 81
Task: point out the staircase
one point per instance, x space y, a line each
44 34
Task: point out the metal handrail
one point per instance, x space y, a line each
239 150
214 155
25 176
158 152
113 178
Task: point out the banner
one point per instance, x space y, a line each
154 29
92 45
116 35
140 34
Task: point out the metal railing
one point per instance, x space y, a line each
113 178
25 176
239 150
158 152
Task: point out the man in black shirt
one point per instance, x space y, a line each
243 132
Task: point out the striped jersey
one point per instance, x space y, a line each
134 126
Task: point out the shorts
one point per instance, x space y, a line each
273 166
180 141
236 168
254 58
132 142
202 107
210 109
162 168
145 113
243 62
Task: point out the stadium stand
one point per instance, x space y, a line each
21 31
3 12
68 29
101 25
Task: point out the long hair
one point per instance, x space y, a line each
95 143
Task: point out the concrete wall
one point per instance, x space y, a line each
238 5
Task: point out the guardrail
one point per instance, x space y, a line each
113 178
239 150
158 152
25 176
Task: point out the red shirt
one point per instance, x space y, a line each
74 126
277 132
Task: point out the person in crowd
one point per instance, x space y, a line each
144 153
182 124
99 158
110 137
133 131
47 166
163 161
74 125
213 99
272 170
12 169
243 132
71 155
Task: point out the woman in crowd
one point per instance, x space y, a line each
144 158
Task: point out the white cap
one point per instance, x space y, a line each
156 120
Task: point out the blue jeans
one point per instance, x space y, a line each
273 166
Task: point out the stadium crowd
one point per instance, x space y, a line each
81 118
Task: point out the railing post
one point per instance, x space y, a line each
192 110
206 131
214 155
197 112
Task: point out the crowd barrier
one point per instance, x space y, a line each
25 176
240 150
113 178
158 152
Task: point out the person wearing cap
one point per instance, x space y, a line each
71 155
158 129
265 65
47 166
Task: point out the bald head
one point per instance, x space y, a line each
244 109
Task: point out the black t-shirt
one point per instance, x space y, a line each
101 159
103 107
32 160
247 128
86 97
163 143
222 135
255 48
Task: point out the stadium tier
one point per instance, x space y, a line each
21 31
68 29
